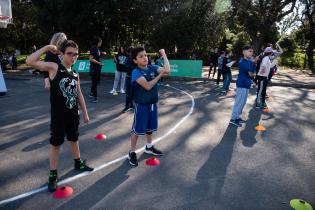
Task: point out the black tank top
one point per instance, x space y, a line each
63 92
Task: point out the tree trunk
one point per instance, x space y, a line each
310 50
304 62
310 58
257 43
311 34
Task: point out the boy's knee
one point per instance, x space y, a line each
56 142
56 148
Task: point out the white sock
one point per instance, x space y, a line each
149 145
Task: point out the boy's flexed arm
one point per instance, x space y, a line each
149 85
81 101
33 59
166 68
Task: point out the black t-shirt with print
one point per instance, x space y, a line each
63 92
121 62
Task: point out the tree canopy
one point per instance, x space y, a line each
181 27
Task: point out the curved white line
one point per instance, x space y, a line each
27 194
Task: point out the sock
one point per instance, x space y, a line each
149 145
53 173
78 160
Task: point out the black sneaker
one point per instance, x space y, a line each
240 120
94 100
153 151
82 166
257 106
52 183
132 157
90 95
125 110
130 109
263 106
235 123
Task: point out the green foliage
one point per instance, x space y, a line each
239 41
259 18
21 59
293 60
182 27
288 44
24 32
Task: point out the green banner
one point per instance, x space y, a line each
179 68
186 68
84 66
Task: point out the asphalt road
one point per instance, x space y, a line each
207 163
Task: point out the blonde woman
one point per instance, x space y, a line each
57 39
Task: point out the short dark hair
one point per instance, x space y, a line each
66 44
95 40
247 47
135 51
119 49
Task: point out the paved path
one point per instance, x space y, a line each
207 163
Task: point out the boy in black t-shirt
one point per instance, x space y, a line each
65 97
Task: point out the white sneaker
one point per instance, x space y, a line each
122 91
112 91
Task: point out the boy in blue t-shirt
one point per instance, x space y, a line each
244 80
144 82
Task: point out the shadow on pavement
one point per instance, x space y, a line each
99 190
211 175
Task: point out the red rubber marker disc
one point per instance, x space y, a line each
153 161
100 136
266 110
63 192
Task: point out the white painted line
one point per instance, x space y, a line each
30 193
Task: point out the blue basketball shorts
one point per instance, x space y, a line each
145 119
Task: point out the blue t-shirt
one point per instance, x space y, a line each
150 70
243 79
142 95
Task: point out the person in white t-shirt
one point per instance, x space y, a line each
262 77
273 57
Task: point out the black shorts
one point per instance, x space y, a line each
64 125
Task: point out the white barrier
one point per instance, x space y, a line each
3 88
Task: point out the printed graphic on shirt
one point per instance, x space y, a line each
152 75
122 59
69 91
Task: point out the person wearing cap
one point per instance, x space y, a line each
273 57
262 77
